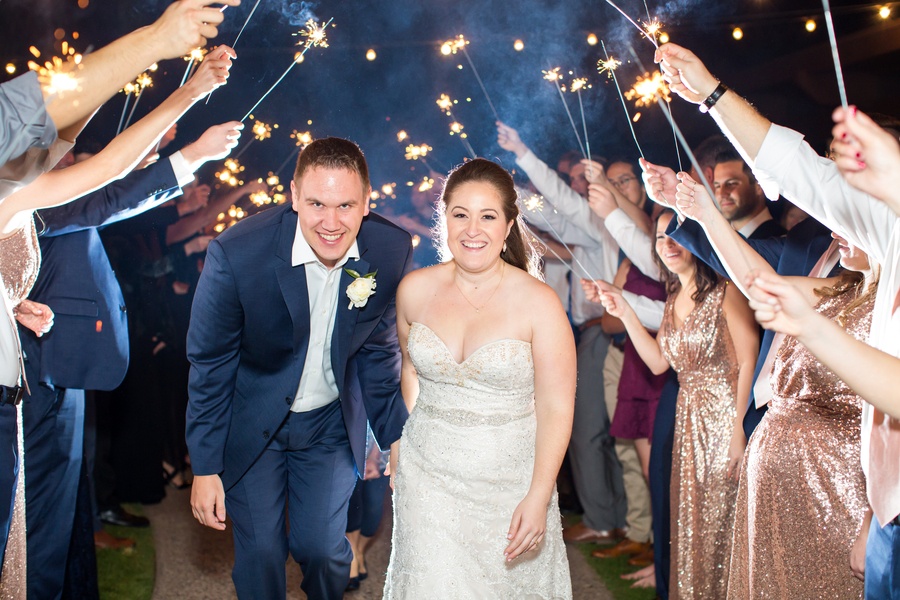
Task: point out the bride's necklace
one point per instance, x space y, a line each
466 298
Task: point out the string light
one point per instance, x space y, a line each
370 54
10 68
592 39
884 12
663 38
737 33
811 25
519 45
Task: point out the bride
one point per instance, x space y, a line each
489 378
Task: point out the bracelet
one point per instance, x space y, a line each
713 98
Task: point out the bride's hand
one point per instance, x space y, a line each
391 469
527 528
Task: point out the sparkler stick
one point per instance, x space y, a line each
124 108
647 8
460 43
315 36
244 26
554 76
577 86
826 5
290 157
303 139
444 103
638 27
610 66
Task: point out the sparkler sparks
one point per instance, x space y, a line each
643 31
453 46
414 152
533 203
302 138
315 36
648 89
262 131
426 184
555 76
460 43
552 74
578 84
445 103
402 136
608 66
652 28
55 75
230 171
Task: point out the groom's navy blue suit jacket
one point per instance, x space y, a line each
249 333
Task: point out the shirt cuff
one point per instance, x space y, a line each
780 142
617 220
184 175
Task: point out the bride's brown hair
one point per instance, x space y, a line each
520 252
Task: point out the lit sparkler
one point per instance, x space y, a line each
555 76
576 86
643 31
315 36
55 75
414 152
426 184
460 43
648 89
230 171
605 65
659 90
445 103
402 136
302 139
195 57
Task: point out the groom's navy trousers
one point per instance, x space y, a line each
310 466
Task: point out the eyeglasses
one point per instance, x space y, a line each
622 182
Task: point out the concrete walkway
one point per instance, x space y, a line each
194 562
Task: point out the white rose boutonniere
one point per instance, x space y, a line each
361 288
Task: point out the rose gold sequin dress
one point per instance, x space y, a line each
802 495
20 260
702 353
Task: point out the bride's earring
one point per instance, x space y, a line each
504 248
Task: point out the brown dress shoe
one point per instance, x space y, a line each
583 533
104 539
624 548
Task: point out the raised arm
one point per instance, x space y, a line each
738 258
553 350
186 24
123 152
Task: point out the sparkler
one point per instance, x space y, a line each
644 32
456 128
230 171
55 74
577 85
826 5
241 32
315 36
142 82
659 90
460 43
610 65
302 139
402 136
261 132
534 203
195 57
554 76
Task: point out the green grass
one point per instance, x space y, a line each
128 574
611 570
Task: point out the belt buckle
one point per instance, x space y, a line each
11 395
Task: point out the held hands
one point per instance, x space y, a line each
779 305
660 183
508 139
686 75
692 200
212 72
867 156
34 316
187 24
208 501
527 528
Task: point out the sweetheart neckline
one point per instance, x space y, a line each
476 351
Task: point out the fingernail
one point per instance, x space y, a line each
861 165
853 111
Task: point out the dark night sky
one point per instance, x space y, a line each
778 65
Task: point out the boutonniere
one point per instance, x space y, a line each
360 288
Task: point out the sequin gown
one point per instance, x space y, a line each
702 353
20 260
802 495
466 460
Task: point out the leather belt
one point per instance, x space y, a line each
11 395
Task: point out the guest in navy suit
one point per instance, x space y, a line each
293 347
87 347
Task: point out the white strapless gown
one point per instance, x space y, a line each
466 461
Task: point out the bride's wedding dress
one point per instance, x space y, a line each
466 461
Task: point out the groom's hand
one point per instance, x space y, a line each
208 501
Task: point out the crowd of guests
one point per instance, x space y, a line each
736 432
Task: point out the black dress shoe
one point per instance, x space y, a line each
120 517
353 584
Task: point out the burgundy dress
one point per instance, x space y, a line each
639 388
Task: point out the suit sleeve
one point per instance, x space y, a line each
213 349
137 192
691 235
378 362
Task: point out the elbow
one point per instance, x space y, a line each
659 369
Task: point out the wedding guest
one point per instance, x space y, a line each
708 337
785 164
789 558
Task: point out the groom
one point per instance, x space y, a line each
291 355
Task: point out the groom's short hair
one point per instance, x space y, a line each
333 153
